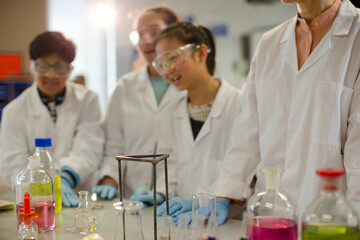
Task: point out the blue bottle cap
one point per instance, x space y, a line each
42 142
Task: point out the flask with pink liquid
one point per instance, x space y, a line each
272 214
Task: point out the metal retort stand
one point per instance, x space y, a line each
154 160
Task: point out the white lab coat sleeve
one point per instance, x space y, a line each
242 158
114 138
13 147
88 142
352 149
166 142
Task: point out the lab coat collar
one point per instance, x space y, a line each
217 107
341 27
344 20
142 79
36 106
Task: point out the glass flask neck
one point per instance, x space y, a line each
272 177
330 184
83 200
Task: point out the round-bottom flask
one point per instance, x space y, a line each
272 213
128 220
329 216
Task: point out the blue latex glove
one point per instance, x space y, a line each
146 196
177 206
222 207
68 197
105 191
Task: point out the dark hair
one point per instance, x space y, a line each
189 33
168 15
52 42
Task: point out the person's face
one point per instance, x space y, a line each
149 27
51 73
180 61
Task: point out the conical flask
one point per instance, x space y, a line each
272 214
128 220
329 216
84 219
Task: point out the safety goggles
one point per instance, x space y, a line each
43 67
150 34
174 58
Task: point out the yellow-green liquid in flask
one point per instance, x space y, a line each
58 203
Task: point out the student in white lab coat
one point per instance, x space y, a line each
52 107
140 103
301 105
203 120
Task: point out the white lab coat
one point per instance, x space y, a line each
77 135
132 123
300 120
196 163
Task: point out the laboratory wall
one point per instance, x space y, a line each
20 22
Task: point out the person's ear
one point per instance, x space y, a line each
203 52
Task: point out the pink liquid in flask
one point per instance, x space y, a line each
273 229
44 216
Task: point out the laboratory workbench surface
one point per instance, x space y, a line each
105 218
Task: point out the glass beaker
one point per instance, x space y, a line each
206 202
183 227
128 220
84 219
198 231
329 216
164 227
272 214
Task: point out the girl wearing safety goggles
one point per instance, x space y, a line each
203 120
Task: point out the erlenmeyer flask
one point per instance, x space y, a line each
329 216
272 214
128 220
84 218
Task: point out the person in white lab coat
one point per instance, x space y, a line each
202 121
52 107
301 105
140 103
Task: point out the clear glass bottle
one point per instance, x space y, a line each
39 183
27 229
48 162
272 214
84 219
329 216
128 220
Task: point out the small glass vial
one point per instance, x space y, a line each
84 219
27 229
272 214
329 216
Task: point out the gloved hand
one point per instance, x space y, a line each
222 207
177 206
146 196
105 191
68 197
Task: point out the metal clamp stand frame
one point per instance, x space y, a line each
154 160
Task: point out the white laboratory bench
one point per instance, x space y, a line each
106 222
